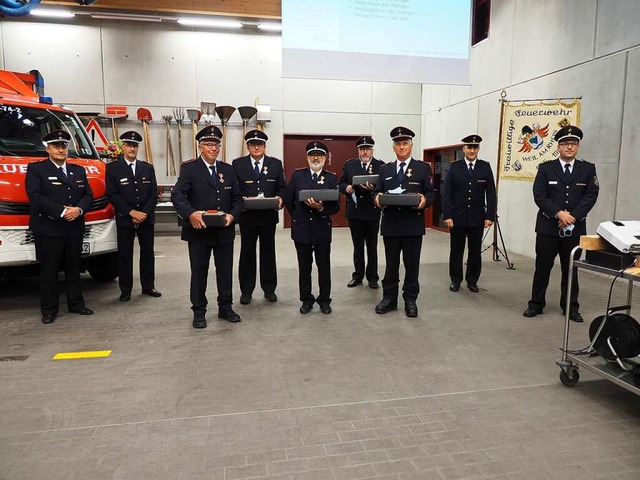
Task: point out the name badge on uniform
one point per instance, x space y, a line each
581 184
146 181
414 183
388 178
125 179
227 188
248 181
271 179
56 183
52 178
553 182
482 181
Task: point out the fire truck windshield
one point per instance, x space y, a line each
22 129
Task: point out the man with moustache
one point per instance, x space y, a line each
468 207
206 184
565 191
362 214
311 226
132 189
403 227
259 175
60 195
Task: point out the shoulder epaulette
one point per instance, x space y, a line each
238 158
191 160
329 171
585 161
302 168
549 161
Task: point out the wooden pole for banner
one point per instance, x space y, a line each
496 226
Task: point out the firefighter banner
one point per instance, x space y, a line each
528 128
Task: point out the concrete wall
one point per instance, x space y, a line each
90 65
553 49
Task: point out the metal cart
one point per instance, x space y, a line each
570 363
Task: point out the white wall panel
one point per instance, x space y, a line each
550 35
449 125
402 98
491 59
628 206
150 65
326 95
618 22
68 57
434 97
236 69
326 122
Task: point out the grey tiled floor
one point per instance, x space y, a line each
469 389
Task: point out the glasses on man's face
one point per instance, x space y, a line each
131 145
210 145
59 146
568 144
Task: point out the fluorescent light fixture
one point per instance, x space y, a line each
43 12
199 22
270 26
135 18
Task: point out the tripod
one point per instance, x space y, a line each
497 232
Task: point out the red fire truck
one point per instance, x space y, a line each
26 115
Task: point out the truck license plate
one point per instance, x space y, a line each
86 248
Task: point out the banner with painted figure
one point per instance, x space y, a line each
528 129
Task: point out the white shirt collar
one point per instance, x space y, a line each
64 165
469 163
312 172
214 164
563 163
406 163
253 162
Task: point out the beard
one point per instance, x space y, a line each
316 166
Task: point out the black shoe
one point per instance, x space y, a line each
199 321
48 318
271 297
125 297
531 312
354 283
305 308
152 293
410 308
373 284
82 311
229 315
245 299
454 287
576 317
473 288
386 305
325 308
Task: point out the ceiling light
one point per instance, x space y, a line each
135 18
270 27
52 13
197 22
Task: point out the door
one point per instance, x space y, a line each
439 158
341 149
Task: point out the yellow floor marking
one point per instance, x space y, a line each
74 355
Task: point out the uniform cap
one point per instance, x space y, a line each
365 142
57 136
256 136
570 132
131 136
315 146
401 133
211 133
472 139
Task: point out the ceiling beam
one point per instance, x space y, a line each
236 8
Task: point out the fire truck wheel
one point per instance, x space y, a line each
103 268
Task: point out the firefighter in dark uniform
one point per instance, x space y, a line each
468 207
363 216
132 189
311 227
206 184
403 227
60 196
565 191
259 175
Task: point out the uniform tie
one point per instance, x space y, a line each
567 171
256 169
314 177
364 167
63 174
470 169
133 168
401 173
213 175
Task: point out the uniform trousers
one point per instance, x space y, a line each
472 236
547 248
322 253
410 247
199 258
126 236
54 253
364 232
249 236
